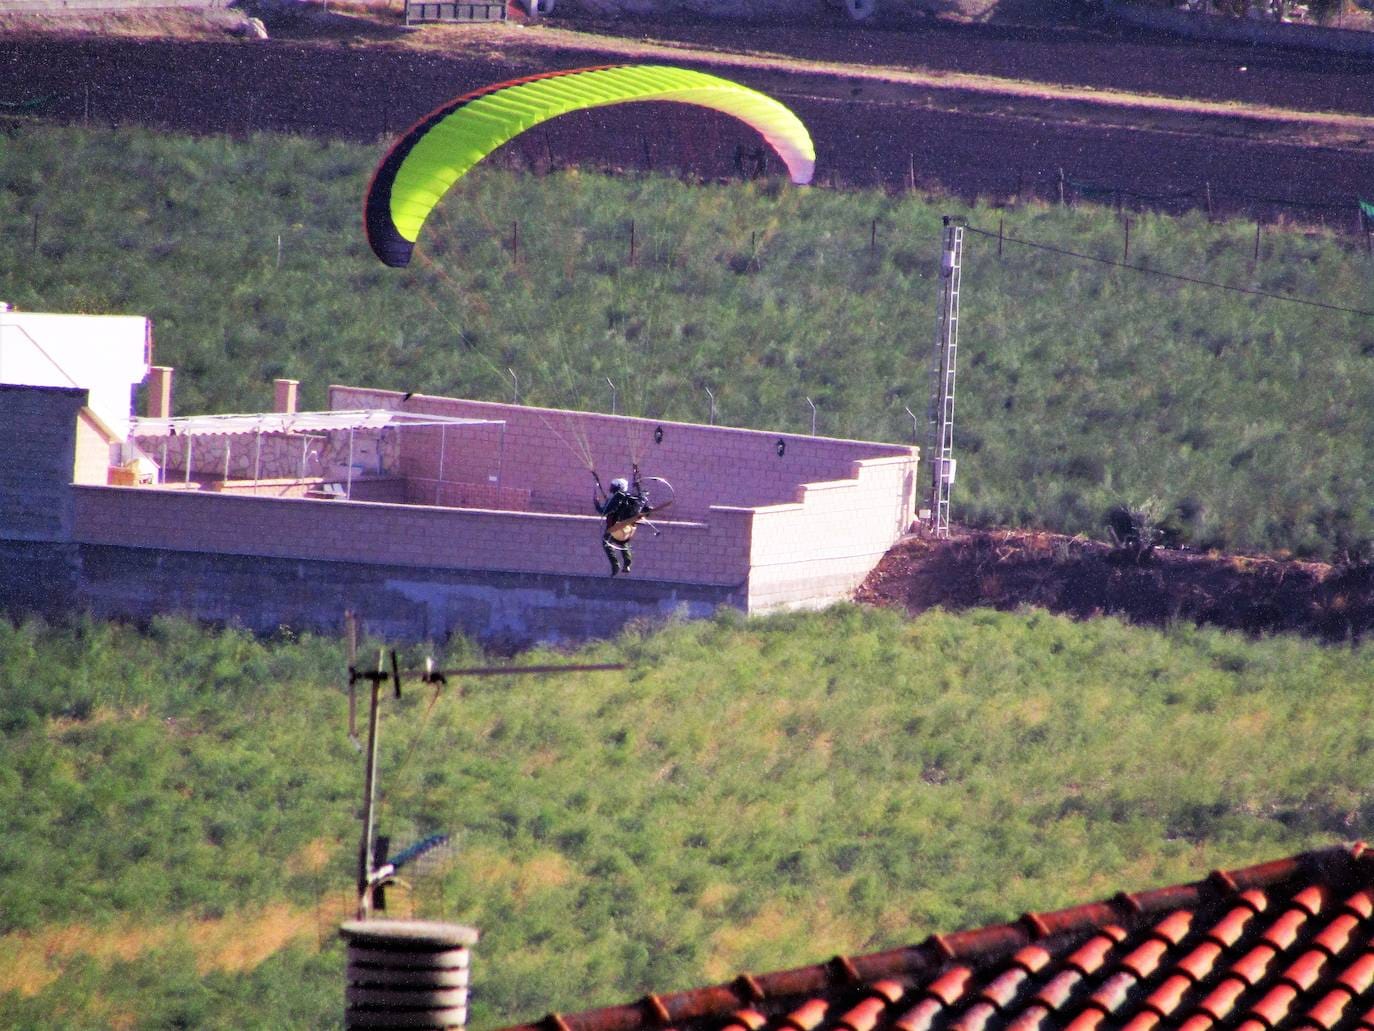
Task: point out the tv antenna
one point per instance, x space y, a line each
375 869
946 350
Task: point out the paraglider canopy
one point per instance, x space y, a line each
443 146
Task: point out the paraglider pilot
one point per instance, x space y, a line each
622 508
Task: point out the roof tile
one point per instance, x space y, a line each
1089 1020
745 1020
950 985
1166 998
1201 961
1002 989
1222 999
1328 1011
1361 904
1360 974
1261 948
1275 1006
921 1017
1057 992
866 1014
1114 990
1284 931
1249 969
1335 936
1304 972
1227 931
808 1016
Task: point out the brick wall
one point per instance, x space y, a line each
546 451
403 535
92 463
450 494
37 461
821 549
752 528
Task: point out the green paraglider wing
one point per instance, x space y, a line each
443 146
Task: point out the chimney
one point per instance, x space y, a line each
159 405
409 973
286 395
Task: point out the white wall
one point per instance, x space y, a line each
107 355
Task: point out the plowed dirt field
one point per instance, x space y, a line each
994 111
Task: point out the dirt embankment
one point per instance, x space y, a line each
1083 578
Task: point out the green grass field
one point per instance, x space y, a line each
1081 386
180 805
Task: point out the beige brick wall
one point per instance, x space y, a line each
802 528
92 463
820 549
546 451
407 535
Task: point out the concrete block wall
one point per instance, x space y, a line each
36 479
401 535
842 504
448 494
469 455
546 450
821 549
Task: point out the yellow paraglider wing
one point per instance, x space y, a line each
443 146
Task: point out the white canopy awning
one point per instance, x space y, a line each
295 422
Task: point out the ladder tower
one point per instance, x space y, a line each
946 351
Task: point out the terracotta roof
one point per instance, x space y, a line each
1285 945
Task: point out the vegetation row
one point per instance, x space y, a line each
178 807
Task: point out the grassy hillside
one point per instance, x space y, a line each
1080 385
179 806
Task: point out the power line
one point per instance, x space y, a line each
1171 275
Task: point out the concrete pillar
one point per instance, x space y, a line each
159 392
286 395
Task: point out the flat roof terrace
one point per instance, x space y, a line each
463 515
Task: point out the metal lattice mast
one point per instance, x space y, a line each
946 351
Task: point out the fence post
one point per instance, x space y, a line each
515 242
1207 187
1126 245
1000 221
632 241
873 236
1257 240
1061 186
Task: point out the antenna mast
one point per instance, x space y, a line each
946 350
376 870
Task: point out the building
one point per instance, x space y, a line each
423 515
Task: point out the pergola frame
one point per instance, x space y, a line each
306 425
